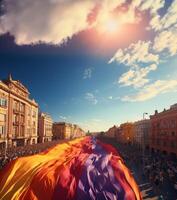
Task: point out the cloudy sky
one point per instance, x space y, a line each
94 62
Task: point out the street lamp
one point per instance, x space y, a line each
143 138
144 114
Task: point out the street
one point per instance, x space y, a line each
148 191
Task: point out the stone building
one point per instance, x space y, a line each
63 130
112 132
125 133
142 133
164 131
45 123
18 114
77 131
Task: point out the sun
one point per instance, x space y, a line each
111 26
108 25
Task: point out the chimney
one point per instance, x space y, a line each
156 112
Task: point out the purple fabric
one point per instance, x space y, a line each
97 180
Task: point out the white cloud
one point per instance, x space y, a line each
55 21
87 73
91 98
110 97
166 40
113 98
63 117
136 54
152 5
136 77
142 53
169 19
152 90
46 21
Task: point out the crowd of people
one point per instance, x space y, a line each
156 168
16 152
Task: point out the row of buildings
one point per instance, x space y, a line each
159 133
20 120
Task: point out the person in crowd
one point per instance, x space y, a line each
16 152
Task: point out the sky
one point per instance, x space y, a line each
96 63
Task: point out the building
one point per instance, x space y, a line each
77 131
164 131
45 123
112 132
18 114
63 130
125 133
141 133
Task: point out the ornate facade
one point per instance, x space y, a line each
164 131
18 114
141 133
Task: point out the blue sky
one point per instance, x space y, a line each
107 72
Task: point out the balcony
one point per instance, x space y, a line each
18 123
17 136
17 110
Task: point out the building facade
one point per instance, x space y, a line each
164 131
112 132
45 124
142 133
77 131
63 130
18 114
125 133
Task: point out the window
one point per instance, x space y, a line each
2 117
22 119
172 144
158 142
173 123
2 130
22 130
15 130
15 118
173 133
3 102
34 131
34 114
29 112
164 144
158 125
29 122
22 107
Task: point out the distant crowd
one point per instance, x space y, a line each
16 152
156 168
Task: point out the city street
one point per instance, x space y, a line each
147 189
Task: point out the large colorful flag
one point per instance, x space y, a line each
82 169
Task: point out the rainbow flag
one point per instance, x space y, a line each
82 169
